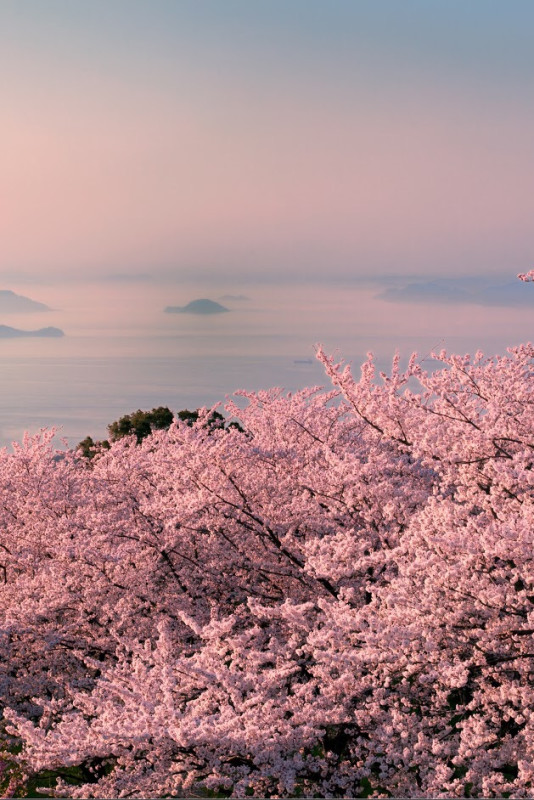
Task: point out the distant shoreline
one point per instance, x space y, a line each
6 332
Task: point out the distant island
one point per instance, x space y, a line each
11 303
202 306
43 333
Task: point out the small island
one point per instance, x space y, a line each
43 333
202 306
11 303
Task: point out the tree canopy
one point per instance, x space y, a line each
142 423
339 602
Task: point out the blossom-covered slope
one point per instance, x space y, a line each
336 599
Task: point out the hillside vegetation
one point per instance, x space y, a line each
334 599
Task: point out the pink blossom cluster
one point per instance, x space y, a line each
335 599
526 276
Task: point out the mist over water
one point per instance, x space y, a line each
308 156
122 352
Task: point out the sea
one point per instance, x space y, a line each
81 387
121 351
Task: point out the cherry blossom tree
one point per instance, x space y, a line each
335 598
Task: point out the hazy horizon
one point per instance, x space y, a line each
360 170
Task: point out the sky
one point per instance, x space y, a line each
353 172
266 141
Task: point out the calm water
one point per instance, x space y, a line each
122 353
44 384
83 394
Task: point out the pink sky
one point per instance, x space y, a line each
160 155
